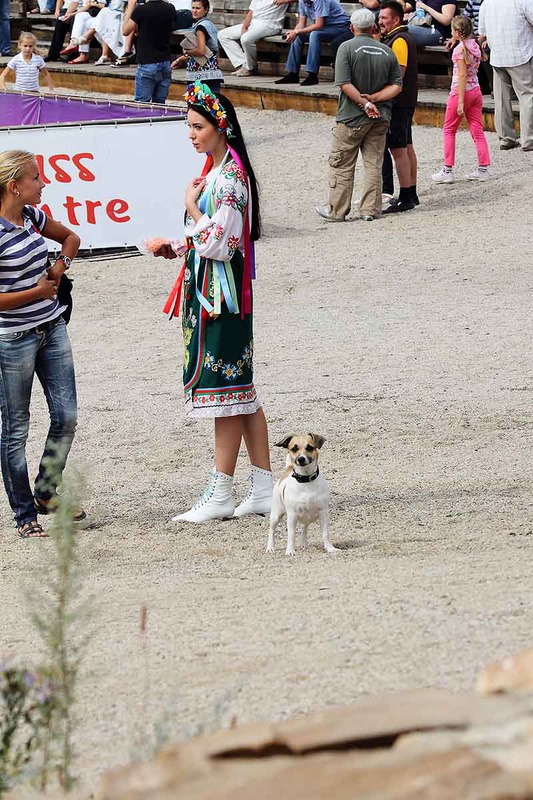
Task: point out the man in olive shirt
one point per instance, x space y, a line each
363 67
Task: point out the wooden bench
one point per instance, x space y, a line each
433 62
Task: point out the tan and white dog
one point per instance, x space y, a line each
301 493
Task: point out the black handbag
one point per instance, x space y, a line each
64 296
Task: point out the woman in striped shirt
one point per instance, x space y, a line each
33 340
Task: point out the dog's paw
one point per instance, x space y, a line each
329 548
271 548
289 552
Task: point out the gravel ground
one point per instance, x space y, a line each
407 343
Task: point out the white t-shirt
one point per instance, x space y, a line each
26 73
266 11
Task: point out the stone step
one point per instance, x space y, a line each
255 92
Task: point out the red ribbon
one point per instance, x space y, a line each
172 306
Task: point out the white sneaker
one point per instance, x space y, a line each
215 503
387 199
259 498
443 177
476 175
325 213
243 72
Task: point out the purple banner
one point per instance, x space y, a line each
24 109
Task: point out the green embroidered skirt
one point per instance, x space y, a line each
218 357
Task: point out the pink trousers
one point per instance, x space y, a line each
473 106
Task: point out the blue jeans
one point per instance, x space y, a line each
5 30
425 37
152 82
44 352
315 39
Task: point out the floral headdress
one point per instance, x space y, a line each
198 94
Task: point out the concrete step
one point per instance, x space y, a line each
258 92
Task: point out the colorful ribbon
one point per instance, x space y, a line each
223 280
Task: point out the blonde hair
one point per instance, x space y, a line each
27 36
13 166
463 26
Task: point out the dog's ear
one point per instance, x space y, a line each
318 439
285 442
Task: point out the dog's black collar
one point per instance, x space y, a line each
305 478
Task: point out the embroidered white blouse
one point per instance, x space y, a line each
220 230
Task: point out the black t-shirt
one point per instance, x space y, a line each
155 20
436 5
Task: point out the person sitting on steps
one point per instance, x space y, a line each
318 21
264 18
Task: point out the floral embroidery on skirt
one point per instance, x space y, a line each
218 359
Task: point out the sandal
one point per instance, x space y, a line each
46 507
102 60
31 530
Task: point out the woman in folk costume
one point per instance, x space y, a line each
221 224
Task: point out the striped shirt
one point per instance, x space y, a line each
26 73
472 11
23 260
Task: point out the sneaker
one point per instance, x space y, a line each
399 205
476 175
244 72
311 80
387 199
509 144
125 60
443 177
290 77
527 148
366 217
325 213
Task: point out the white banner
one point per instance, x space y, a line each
113 184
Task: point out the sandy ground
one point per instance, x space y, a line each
407 343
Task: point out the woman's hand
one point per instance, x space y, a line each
193 191
179 60
47 288
460 110
55 272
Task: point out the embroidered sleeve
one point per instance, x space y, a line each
218 236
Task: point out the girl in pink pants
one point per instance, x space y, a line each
465 100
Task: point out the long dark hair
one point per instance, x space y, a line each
236 142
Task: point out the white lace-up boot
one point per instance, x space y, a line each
259 498
215 503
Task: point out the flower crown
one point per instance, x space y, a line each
198 94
